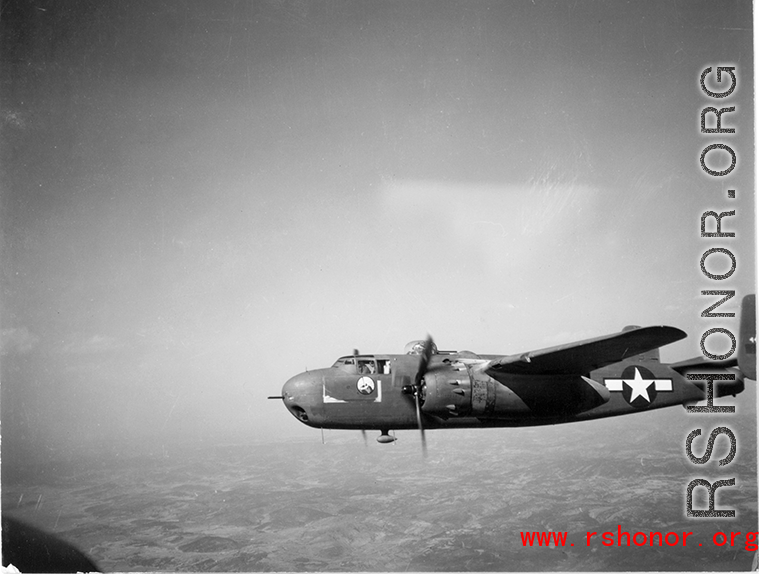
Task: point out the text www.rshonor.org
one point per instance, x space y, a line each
651 538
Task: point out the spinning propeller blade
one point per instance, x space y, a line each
424 361
420 424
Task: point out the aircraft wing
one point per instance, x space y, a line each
585 356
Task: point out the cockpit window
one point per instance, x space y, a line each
363 365
367 366
343 361
417 348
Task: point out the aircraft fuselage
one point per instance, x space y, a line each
371 392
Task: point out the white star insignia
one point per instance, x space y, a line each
638 385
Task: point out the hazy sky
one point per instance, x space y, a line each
200 200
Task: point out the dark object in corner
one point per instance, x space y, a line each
31 550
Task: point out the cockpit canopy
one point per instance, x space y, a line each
417 348
363 364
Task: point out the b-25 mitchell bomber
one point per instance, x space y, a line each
426 388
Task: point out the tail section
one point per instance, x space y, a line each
747 337
745 360
640 382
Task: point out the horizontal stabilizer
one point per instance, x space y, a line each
585 356
701 363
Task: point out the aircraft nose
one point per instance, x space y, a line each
300 395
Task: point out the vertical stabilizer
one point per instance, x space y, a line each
747 337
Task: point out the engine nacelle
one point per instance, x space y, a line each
457 391
447 393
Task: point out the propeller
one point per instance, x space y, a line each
420 424
424 361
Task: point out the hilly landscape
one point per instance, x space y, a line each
350 506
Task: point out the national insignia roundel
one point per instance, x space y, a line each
365 385
638 386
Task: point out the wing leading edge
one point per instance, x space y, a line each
585 356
